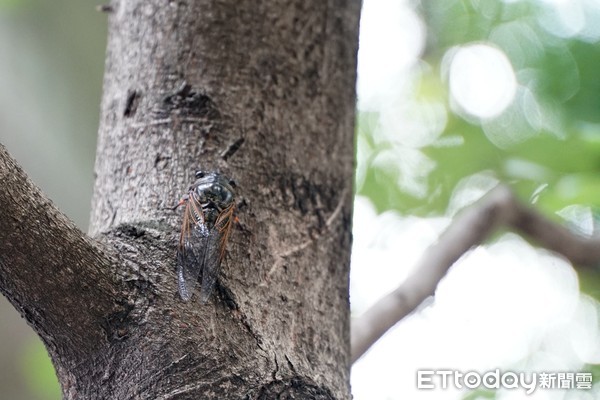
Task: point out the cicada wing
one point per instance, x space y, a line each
211 265
191 251
214 253
189 262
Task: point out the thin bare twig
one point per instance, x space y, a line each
470 228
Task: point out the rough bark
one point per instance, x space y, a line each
49 269
262 92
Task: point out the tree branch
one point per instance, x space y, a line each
50 271
470 228
260 92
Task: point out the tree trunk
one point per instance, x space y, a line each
262 92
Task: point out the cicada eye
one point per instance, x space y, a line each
200 174
232 183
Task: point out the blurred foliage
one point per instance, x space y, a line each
551 155
554 160
50 89
480 394
595 370
6 4
39 372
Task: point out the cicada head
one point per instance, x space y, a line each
213 188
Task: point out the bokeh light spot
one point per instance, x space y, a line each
482 80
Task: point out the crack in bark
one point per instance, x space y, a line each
131 103
188 103
232 149
117 325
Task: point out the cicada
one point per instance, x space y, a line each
207 221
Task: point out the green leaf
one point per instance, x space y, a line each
38 372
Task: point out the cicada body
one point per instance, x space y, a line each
207 221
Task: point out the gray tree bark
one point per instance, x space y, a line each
260 91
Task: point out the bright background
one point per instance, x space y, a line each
454 97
